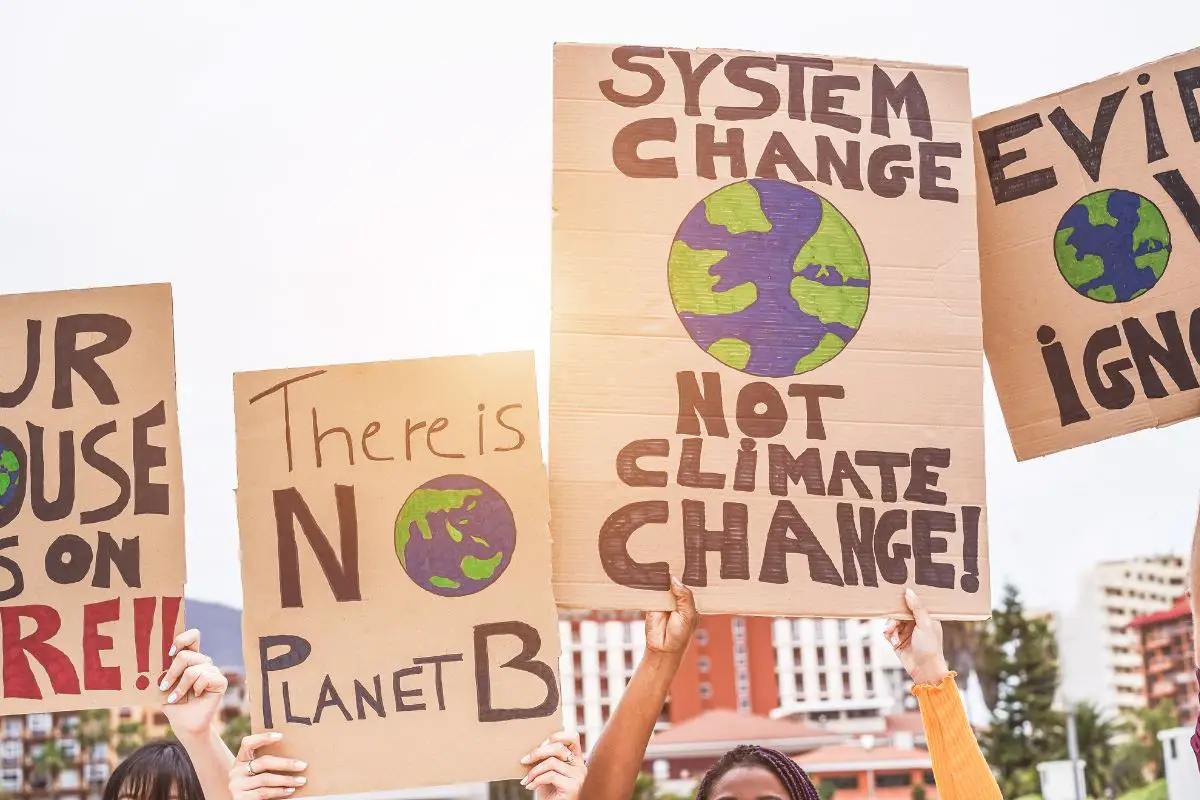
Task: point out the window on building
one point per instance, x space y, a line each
10 780
703 664
866 656
841 625
928 778
702 637
818 631
843 781
705 690
844 654
893 780
822 684
845 685
39 724
820 656
869 681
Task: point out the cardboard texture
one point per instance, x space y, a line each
91 498
771 387
1089 232
396 569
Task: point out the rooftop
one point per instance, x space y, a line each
721 730
851 758
1181 609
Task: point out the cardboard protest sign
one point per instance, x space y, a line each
91 498
766 372
399 624
1089 230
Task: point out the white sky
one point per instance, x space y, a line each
349 181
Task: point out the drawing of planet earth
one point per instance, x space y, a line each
769 278
455 535
1112 246
10 477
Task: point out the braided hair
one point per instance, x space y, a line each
793 778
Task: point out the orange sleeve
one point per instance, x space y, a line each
959 769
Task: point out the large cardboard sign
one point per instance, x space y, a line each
399 624
91 498
766 369
1089 230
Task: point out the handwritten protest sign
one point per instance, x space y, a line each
766 369
1089 229
91 498
396 569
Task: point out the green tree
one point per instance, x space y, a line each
645 787
1020 658
235 730
1145 724
1094 734
826 790
918 791
963 645
95 728
49 764
130 736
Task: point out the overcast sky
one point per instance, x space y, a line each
349 181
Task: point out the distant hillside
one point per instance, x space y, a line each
220 631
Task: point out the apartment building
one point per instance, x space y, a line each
839 674
1099 654
1167 646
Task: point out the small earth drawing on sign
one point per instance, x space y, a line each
455 535
10 477
1112 246
769 278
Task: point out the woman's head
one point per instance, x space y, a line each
157 771
749 772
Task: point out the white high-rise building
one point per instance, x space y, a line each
841 673
1098 655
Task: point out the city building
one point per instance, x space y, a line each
1098 653
859 771
840 675
1167 647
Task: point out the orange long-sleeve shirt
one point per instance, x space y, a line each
959 769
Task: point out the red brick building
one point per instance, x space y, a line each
1167 648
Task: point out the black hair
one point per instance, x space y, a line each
793 778
152 771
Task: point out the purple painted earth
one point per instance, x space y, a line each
455 535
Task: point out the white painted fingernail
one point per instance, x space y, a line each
289 790
171 652
164 685
301 781
276 735
173 697
301 765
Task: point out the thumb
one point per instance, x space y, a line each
919 612
685 601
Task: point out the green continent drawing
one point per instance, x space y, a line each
769 278
455 535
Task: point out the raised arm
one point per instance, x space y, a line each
959 769
618 755
193 690
1194 599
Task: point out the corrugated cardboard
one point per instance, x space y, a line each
91 504
1059 187
393 521
633 158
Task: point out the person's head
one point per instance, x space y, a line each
159 770
749 772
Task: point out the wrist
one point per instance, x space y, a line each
189 736
931 673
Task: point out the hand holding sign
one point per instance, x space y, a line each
671 631
256 777
192 673
918 643
558 769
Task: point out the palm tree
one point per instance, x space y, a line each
1145 725
130 736
235 730
49 763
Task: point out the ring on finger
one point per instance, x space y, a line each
250 768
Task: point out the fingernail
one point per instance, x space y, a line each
171 652
276 735
301 781
910 595
173 696
676 582
289 790
164 685
524 759
301 765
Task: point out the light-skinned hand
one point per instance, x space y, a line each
192 686
556 768
670 632
918 642
256 777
